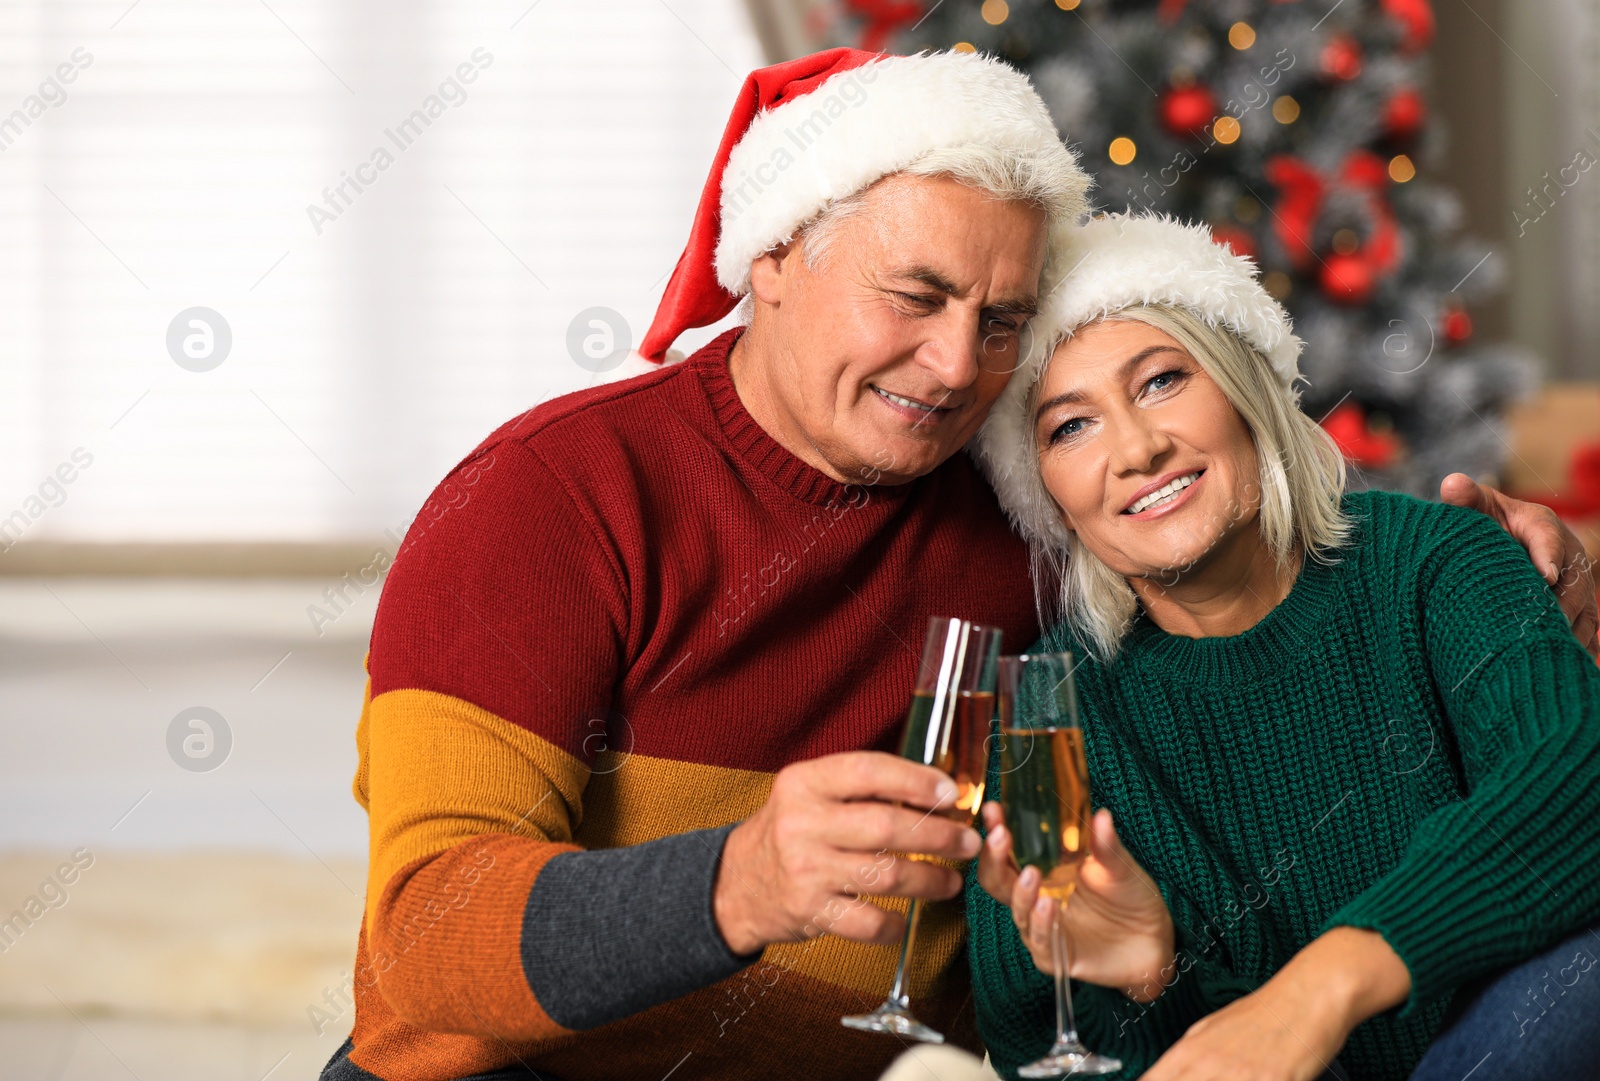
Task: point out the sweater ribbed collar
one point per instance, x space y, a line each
756 447
1270 648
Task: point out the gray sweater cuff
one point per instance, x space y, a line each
610 932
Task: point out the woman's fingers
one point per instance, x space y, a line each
1033 913
1106 846
1122 872
1041 919
997 871
1024 892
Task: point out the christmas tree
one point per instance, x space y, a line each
1297 131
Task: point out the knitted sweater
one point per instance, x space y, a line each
603 635
1408 743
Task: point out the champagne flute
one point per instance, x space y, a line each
948 726
1044 788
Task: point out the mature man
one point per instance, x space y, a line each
633 679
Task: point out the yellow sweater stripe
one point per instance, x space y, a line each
436 771
440 770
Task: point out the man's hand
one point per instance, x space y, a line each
1291 1028
1554 549
828 834
1119 932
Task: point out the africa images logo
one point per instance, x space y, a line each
452 92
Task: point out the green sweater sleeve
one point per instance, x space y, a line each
1515 865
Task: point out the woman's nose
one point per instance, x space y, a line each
1135 443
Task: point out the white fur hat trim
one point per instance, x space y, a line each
866 123
1114 262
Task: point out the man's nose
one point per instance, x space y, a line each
951 351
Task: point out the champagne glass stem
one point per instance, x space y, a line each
897 993
1066 1024
895 1016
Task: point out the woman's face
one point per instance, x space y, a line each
1152 466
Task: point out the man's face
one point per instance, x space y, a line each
883 361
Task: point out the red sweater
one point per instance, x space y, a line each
605 632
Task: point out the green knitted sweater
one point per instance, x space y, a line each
1409 743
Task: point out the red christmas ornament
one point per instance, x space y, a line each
1341 57
1169 11
1237 240
1301 191
1416 22
1357 441
1457 326
1348 279
1581 500
1186 110
1404 113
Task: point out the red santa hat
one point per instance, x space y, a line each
807 133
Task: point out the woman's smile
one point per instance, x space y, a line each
1163 496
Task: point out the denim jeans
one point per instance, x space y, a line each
1536 1021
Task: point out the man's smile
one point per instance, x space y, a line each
915 408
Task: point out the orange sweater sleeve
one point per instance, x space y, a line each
501 631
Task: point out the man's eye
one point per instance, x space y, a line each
918 299
1003 326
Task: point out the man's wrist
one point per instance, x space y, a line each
730 898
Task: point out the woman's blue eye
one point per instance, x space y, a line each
1067 429
1164 380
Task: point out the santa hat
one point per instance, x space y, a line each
807 133
1115 262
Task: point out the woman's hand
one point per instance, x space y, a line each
1119 932
1293 1026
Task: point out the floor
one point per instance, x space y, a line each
117 1049
212 889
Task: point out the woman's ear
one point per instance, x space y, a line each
1065 520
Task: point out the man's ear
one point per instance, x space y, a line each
767 272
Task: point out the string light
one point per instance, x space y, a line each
963 47
1345 241
1286 110
1401 169
1067 5
1241 35
1246 209
1122 150
995 11
1225 130
1277 284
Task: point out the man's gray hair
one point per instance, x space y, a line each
997 171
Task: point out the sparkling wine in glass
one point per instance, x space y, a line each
1044 788
947 726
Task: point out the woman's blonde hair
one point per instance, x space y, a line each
1302 479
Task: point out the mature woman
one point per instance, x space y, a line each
1349 742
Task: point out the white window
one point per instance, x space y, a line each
396 209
